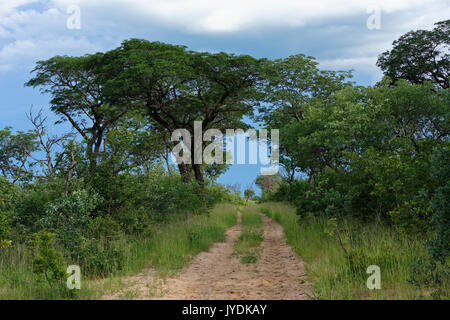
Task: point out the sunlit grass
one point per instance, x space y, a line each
169 247
247 245
333 275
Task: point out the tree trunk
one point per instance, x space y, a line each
91 156
311 181
183 167
165 156
70 174
199 175
185 172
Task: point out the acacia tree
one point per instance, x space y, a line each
76 85
420 56
175 87
292 85
248 193
268 183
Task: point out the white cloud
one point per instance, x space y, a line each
7 6
22 54
206 16
27 34
360 63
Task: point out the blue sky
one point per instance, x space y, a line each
335 32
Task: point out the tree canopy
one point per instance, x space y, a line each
420 56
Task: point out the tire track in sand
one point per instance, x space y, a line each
219 274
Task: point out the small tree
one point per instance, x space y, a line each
268 183
47 261
76 85
248 193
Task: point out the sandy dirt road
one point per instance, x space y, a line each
219 274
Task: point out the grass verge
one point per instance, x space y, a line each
168 248
339 275
247 245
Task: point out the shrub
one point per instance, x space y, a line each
33 204
433 271
70 218
47 261
100 257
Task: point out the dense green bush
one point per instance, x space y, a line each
32 205
47 261
94 224
368 151
100 257
70 218
7 196
433 271
440 248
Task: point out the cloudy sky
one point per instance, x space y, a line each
344 34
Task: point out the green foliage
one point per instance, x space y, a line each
4 225
248 193
431 275
5 244
162 195
70 218
8 194
101 257
368 153
170 84
337 275
72 212
268 184
440 249
15 151
79 96
433 270
47 261
292 83
373 157
32 205
247 245
420 56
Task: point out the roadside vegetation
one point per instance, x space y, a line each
367 170
338 271
365 167
167 247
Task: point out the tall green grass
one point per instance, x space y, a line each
337 275
174 245
168 248
247 245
